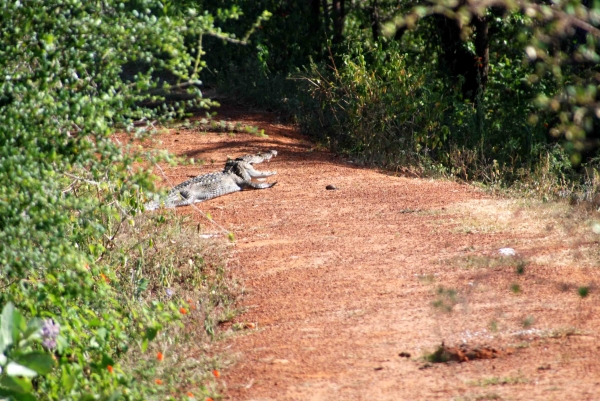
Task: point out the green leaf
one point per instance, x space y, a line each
14 369
151 333
38 361
102 333
67 379
16 395
6 326
145 345
33 328
21 385
107 360
142 285
19 325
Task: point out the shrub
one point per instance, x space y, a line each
378 107
73 72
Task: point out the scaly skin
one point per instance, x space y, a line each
258 158
236 176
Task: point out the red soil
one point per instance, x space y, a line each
340 282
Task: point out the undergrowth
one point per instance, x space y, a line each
383 109
84 273
392 102
167 259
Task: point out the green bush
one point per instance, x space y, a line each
384 111
73 73
393 105
351 95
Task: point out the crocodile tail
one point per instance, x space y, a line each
153 205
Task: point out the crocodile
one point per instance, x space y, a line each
242 166
236 176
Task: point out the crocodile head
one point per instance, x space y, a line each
258 158
268 155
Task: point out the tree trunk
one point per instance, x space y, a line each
399 33
459 60
315 14
375 25
482 48
338 20
325 18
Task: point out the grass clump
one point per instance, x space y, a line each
583 291
166 258
440 355
520 269
446 299
477 262
528 322
499 381
479 397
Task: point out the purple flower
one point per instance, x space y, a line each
169 292
50 331
49 343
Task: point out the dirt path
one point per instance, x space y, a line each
340 282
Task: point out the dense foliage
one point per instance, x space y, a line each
73 72
498 91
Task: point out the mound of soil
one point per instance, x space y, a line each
466 353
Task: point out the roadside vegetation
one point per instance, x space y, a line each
502 93
98 298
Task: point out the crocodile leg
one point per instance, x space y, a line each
245 170
258 185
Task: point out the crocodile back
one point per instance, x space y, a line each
197 189
201 179
202 188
